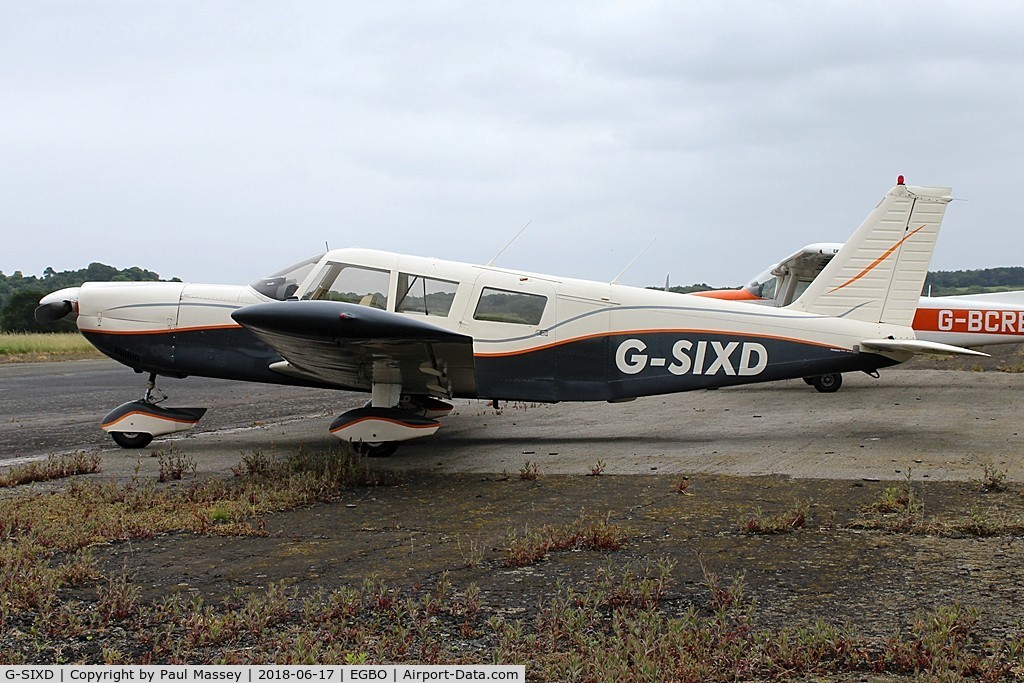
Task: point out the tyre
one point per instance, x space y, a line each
378 449
828 384
809 381
131 439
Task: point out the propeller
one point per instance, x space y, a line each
57 305
53 311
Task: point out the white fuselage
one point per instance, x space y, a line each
533 336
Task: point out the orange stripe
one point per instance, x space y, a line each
728 295
651 331
878 260
169 330
384 419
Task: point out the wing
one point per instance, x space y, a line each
356 346
806 264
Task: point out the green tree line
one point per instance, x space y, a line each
948 282
20 294
938 283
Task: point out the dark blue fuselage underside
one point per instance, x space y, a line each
611 367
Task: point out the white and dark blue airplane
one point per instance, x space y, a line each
415 332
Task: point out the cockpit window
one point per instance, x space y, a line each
800 287
354 285
283 283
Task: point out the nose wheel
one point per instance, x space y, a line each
134 424
131 439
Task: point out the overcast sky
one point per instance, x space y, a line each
219 141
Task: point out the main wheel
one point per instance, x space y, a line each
376 449
131 439
828 384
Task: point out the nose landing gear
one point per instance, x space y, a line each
131 439
134 424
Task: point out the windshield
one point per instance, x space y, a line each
352 284
763 286
282 284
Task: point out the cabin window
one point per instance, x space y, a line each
354 285
418 294
500 306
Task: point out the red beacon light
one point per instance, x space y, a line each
899 180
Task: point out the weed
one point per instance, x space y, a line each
173 466
220 513
55 467
472 553
118 597
992 480
682 486
897 499
977 523
1015 368
899 510
597 470
782 523
583 534
529 471
725 599
255 463
980 523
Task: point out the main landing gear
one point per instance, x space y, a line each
134 424
378 428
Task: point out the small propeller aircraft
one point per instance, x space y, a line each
415 332
969 320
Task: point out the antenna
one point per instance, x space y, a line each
616 280
491 262
666 281
327 247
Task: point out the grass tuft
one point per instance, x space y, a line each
529 471
585 533
173 465
783 522
992 480
55 467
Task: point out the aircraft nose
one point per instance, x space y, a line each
57 305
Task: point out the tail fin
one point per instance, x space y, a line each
878 274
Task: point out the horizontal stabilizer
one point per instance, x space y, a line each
918 346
